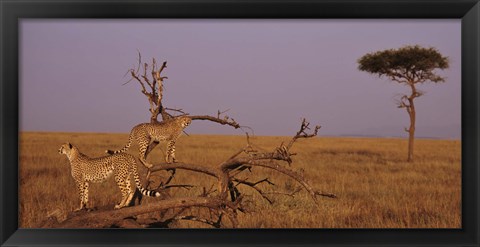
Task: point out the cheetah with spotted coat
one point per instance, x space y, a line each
86 169
144 133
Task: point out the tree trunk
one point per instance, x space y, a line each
154 118
411 129
411 134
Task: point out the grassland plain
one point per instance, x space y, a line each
376 187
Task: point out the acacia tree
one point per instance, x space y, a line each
409 65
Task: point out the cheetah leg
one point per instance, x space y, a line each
170 154
80 193
123 188
130 193
150 147
143 152
85 194
80 187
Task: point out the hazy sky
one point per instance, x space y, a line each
269 73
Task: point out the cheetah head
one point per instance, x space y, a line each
185 121
66 148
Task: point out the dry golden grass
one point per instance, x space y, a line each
376 188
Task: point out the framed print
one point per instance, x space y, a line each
346 123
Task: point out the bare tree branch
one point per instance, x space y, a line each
254 186
302 134
103 219
224 121
295 175
253 159
176 110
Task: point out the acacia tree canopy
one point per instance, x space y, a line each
409 64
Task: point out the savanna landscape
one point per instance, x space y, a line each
375 155
374 185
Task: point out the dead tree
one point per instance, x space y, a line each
223 200
151 80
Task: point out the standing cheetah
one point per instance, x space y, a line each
86 169
169 131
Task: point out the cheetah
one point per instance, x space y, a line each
86 169
144 133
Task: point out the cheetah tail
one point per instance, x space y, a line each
124 149
144 191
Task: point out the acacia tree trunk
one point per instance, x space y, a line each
412 114
411 131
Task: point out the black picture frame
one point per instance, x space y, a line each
11 11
